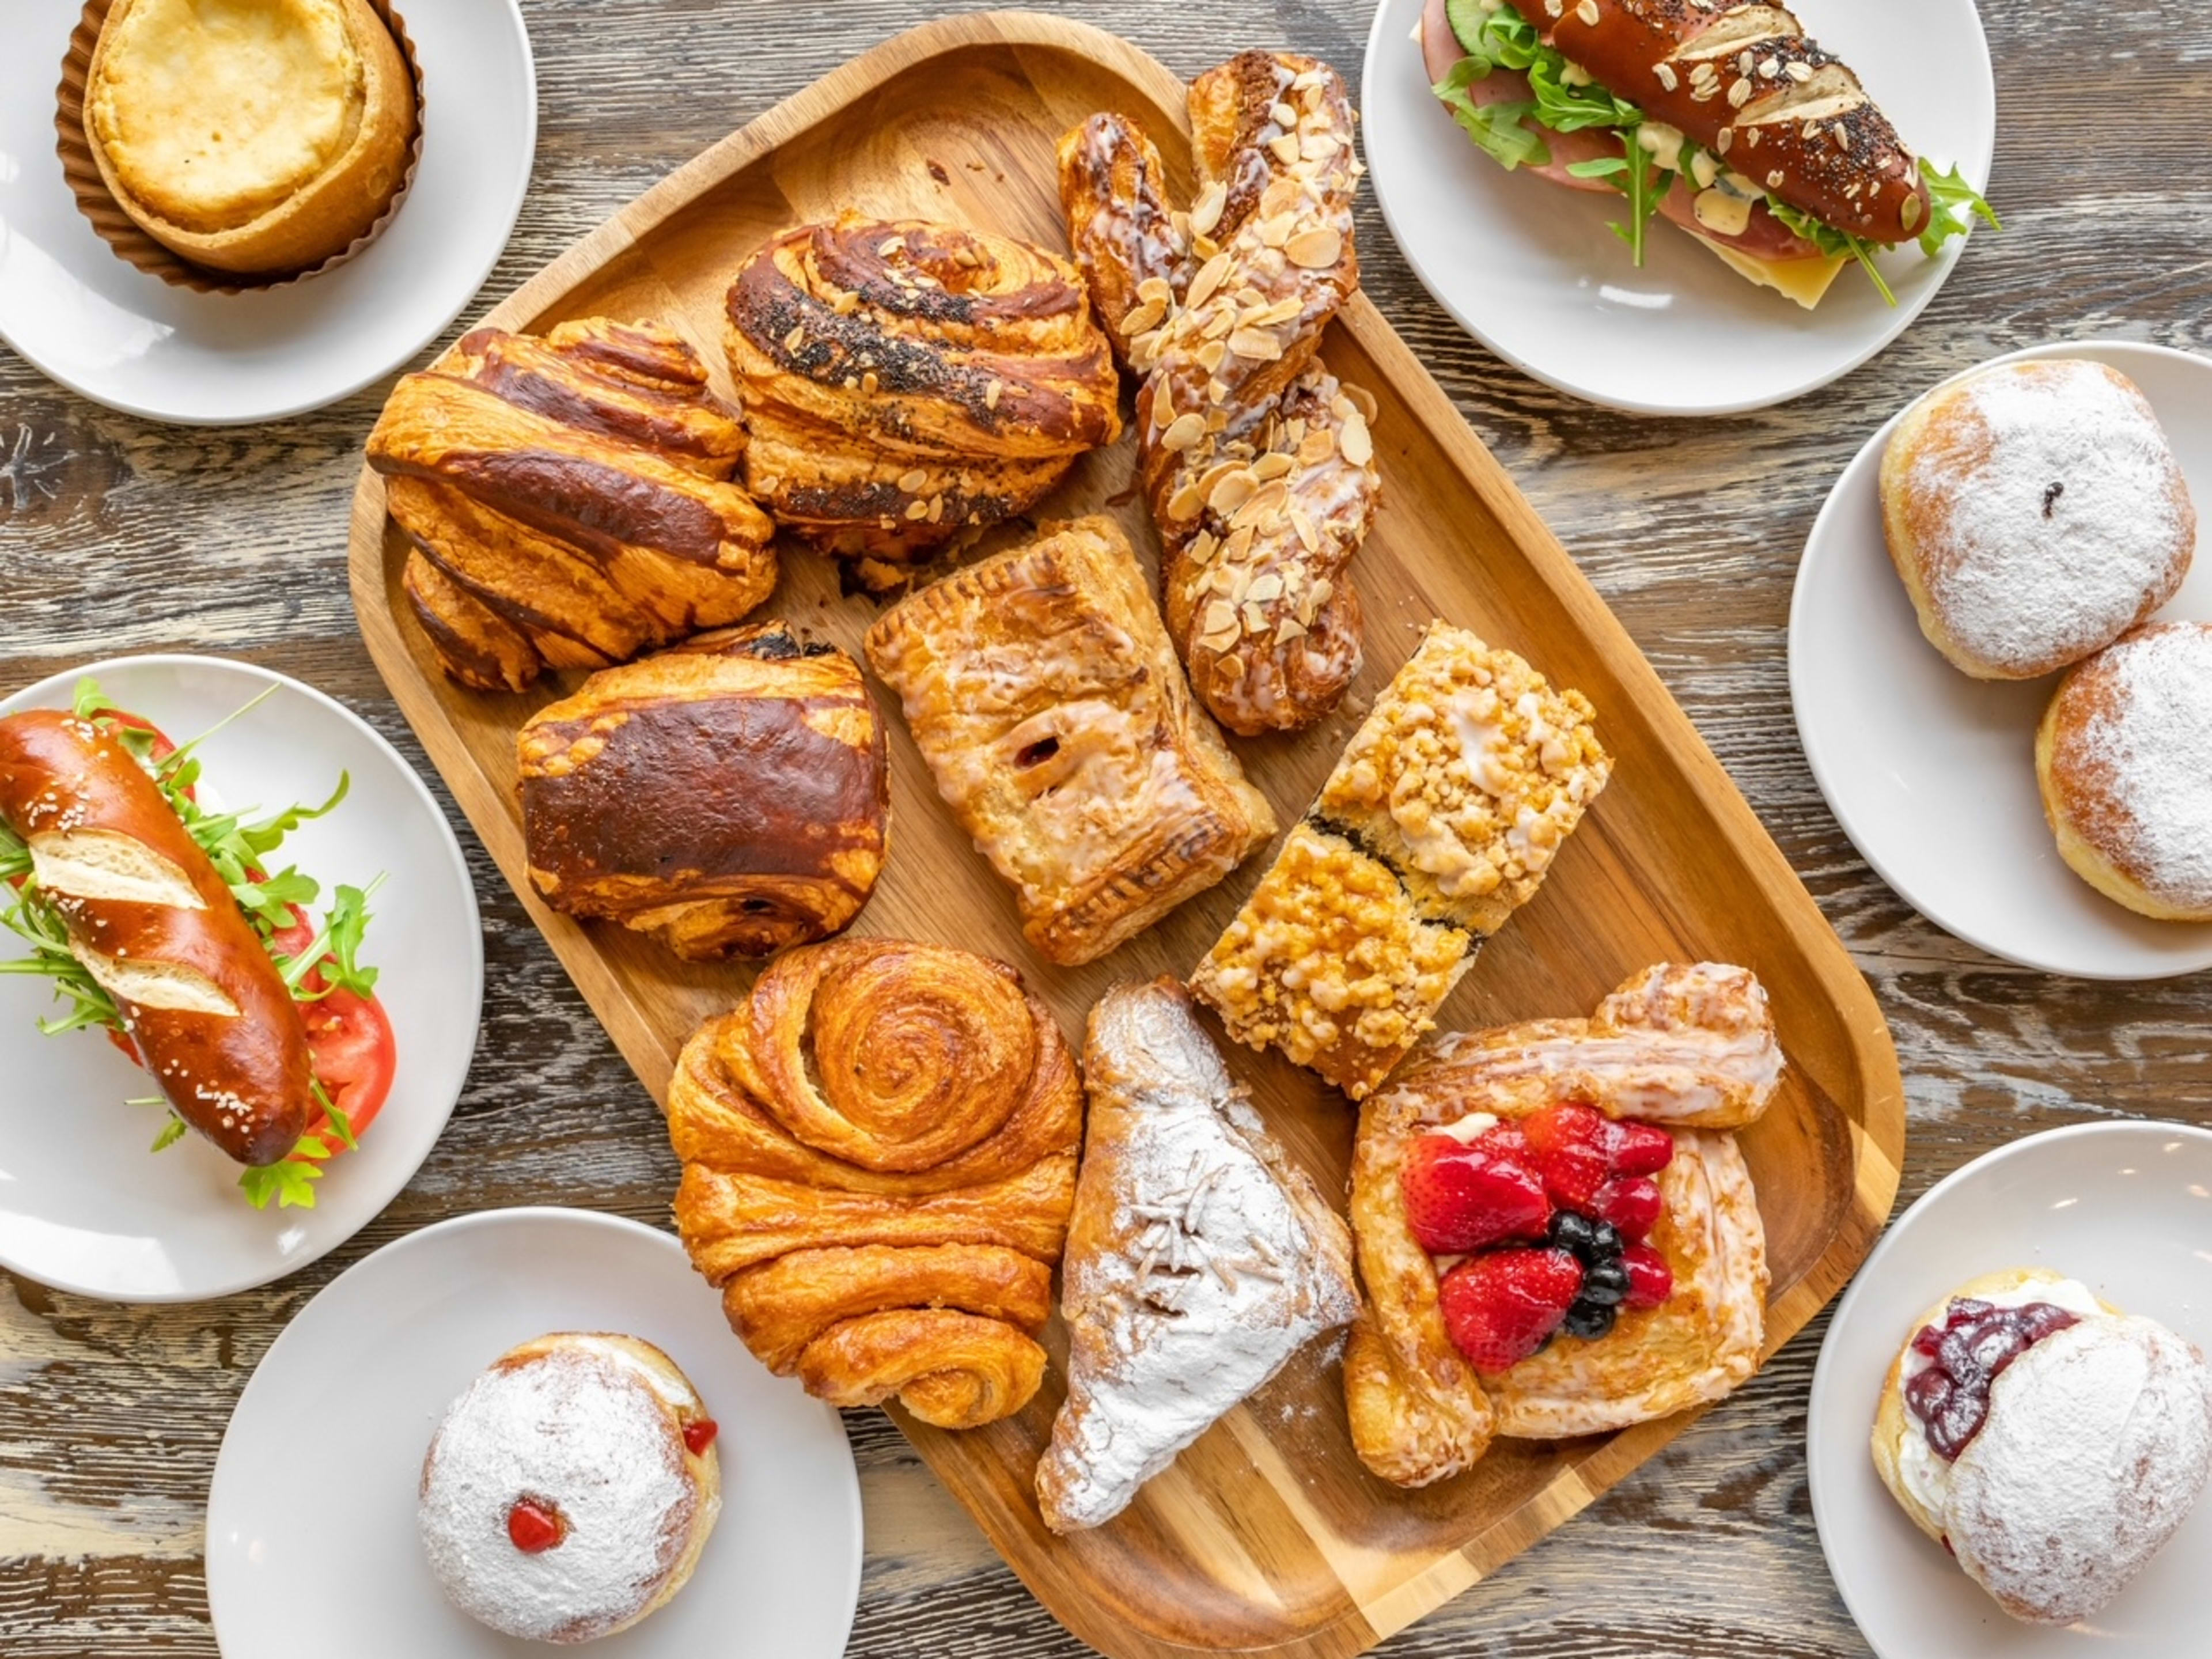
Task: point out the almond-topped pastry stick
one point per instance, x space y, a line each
1439 822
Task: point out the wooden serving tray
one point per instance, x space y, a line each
1268 1535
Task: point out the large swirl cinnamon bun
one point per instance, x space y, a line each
879 1154
904 381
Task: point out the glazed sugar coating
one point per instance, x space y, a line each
1330 961
1467 778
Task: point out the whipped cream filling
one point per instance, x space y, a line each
1926 1471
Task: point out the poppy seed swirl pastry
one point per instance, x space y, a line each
1557 1230
904 381
880 1152
568 501
2123 760
1258 464
2036 512
570 1491
729 795
2052 1443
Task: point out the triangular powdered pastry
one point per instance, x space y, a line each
1199 1260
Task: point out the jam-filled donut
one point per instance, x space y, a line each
569 1492
2052 1443
2123 758
2036 513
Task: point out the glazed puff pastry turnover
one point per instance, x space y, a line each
1041 690
1640 1222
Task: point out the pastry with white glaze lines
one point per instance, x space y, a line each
2050 1442
1199 1261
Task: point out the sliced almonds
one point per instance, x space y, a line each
1356 442
1205 212
1315 249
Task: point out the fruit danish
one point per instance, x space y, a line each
879 1153
1557 1232
904 381
2052 1443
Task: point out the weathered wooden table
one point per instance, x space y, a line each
116 535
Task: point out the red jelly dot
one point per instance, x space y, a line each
698 1436
534 1527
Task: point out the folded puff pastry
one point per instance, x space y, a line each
730 795
568 501
1041 690
1690 1048
879 1151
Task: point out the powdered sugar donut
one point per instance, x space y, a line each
2123 757
2053 1445
2036 512
569 1492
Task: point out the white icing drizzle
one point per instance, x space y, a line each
2026 579
584 1427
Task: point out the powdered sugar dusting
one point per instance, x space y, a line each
583 1428
2147 752
2097 1446
2062 527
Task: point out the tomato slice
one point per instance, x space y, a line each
162 747
350 1039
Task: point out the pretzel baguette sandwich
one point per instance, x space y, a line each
156 920
1725 120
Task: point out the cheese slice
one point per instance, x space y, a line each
1805 281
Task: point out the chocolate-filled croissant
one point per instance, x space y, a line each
730 796
904 381
879 1153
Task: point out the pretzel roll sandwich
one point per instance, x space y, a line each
1726 120
879 1154
905 380
156 920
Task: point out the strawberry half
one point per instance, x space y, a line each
1631 1203
1570 1147
1462 1195
1501 1307
1651 1280
1638 1149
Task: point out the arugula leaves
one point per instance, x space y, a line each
239 848
1496 37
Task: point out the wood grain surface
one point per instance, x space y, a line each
117 535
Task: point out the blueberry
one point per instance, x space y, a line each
1587 1321
1605 1240
1606 1284
1571 1231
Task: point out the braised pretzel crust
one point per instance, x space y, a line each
1039 687
879 1153
1690 1047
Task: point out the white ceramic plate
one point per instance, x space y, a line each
83 1205
311 1532
1531 270
1932 774
2124 1208
71 306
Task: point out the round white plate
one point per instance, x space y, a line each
1932 774
2124 1208
1531 270
71 306
83 1205
311 1519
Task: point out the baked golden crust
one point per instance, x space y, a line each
867 1270
257 136
1438 821
1040 688
1258 464
904 380
575 487
1674 1046
731 795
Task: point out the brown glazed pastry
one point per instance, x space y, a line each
879 1154
255 136
1039 687
904 381
1258 464
568 501
1439 822
729 795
